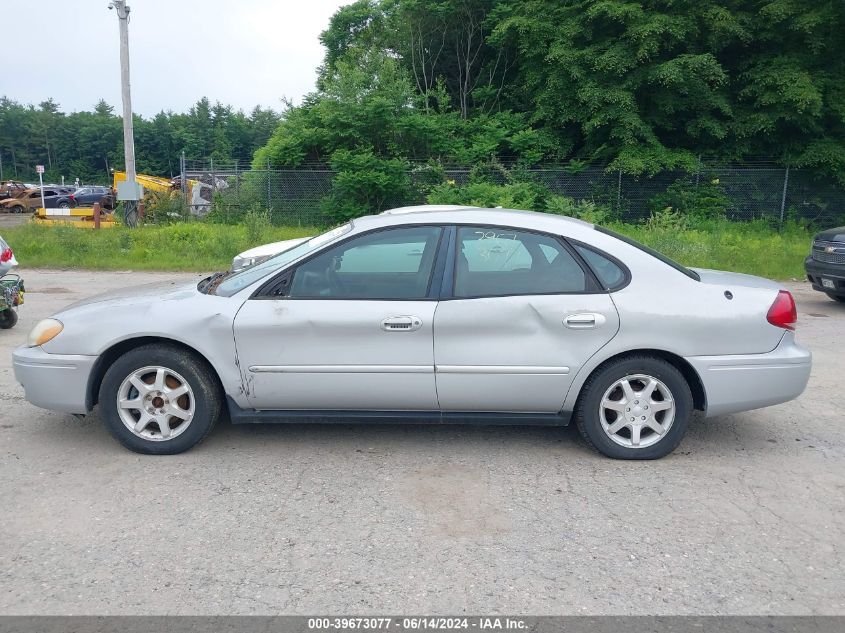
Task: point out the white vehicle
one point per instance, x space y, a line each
265 251
483 315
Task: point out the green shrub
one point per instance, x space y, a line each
365 183
527 196
164 208
705 199
257 222
586 210
668 219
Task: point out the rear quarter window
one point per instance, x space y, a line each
611 274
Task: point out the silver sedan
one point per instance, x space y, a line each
464 315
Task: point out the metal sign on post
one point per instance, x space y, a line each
40 170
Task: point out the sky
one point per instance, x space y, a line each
239 52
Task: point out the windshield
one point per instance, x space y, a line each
234 282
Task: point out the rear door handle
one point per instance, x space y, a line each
584 320
401 324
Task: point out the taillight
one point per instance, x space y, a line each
6 255
783 313
71 197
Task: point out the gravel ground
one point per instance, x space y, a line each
746 517
14 219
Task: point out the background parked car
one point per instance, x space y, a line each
825 265
11 189
30 199
63 199
87 196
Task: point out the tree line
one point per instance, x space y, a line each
642 87
88 144
408 86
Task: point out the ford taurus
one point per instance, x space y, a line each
464 315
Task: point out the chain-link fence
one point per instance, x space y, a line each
296 196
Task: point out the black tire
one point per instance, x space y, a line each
17 209
64 205
197 374
587 413
839 298
8 319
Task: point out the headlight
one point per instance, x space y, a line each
44 331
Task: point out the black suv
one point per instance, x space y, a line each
826 264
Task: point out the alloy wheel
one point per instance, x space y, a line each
155 403
637 411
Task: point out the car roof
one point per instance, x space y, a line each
451 214
422 208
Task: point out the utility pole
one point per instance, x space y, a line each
129 191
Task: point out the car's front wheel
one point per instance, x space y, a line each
635 408
159 399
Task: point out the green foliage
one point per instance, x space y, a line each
644 87
164 208
669 220
365 183
647 86
257 223
706 199
518 195
586 210
745 247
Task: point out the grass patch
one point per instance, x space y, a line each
184 247
745 247
749 247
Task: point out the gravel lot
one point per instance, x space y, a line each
14 219
747 517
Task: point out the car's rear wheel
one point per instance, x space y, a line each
839 298
64 205
636 407
8 319
159 399
17 209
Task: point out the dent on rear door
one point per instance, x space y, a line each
516 353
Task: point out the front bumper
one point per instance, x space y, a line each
54 381
835 272
750 381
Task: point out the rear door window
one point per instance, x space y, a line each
500 261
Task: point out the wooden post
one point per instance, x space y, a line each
140 211
96 215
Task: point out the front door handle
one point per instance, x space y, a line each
584 320
401 324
